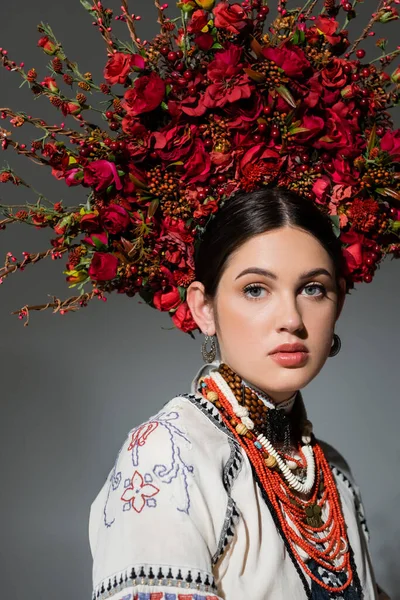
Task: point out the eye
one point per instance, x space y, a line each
251 287
316 286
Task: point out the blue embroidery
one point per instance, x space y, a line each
166 473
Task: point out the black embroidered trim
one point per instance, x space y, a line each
232 516
231 471
209 410
357 499
155 575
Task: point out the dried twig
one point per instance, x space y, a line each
62 306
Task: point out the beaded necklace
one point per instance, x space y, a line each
326 543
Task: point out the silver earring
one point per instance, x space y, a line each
209 355
337 344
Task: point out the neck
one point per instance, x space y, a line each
285 403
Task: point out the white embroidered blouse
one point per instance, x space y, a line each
181 517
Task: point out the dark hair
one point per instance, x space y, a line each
246 214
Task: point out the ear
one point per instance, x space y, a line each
341 296
201 308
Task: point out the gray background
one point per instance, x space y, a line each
73 386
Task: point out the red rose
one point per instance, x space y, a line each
174 143
204 41
290 58
231 17
115 219
197 165
103 266
314 125
328 26
147 93
183 319
321 188
333 76
120 65
90 222
391 143
198 21
339 135
99 174
354 252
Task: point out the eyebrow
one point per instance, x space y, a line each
266 273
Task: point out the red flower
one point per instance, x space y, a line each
354 252
100 236
183 319
314 125
90 222
328 26
259 165
120 65
170 297
391 143
230 17
333 76
50 83
48 46
197 166
103 266
204 41
204 210
115 219
339 135
73 177
71 108
174 143
321 188
100 174
229 82
198 21
290 58
147 94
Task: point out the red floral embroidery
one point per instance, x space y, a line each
140 435
138 491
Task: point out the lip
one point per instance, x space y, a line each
296 347
290 359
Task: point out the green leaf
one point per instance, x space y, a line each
388 192
335 225
217 46
294 130
254 75
395 225
299 37
137 182
164 105
286 95
98 243
153 207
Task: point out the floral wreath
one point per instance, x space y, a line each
214 103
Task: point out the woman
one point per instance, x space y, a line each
195 505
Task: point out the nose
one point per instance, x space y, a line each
288 315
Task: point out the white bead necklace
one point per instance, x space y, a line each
285 466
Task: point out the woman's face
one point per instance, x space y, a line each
255 312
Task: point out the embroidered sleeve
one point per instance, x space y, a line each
152 532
